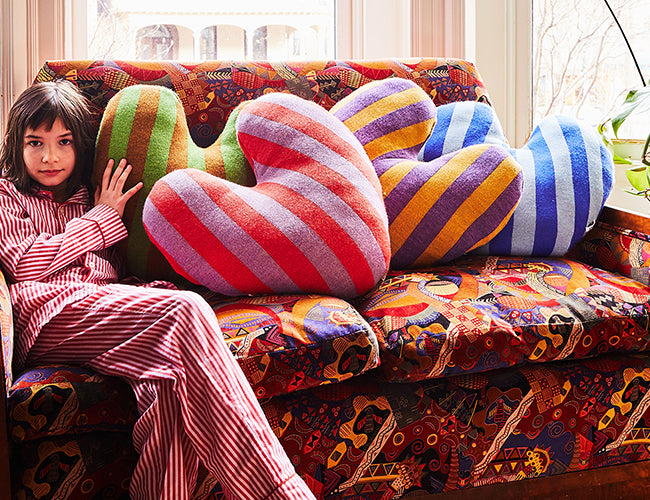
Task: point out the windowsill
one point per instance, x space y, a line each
623 200
625 209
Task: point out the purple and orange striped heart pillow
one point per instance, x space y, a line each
440 209
314 222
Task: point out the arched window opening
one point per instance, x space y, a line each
157 41
277 42
223 42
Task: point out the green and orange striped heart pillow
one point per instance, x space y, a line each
147 125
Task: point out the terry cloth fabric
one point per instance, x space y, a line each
314 222
437 210
146 125
568 175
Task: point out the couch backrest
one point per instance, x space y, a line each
210 90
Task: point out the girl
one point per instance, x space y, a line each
194 401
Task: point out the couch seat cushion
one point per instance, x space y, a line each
56 399
282 343
90 465
483 313
285 343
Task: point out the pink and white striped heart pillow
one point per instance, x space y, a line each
314 222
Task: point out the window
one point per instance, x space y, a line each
36 30
581 64
193 30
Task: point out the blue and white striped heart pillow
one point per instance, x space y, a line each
568 174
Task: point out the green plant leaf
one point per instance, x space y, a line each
636 100
638 177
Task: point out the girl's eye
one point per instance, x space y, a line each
34 143
66 142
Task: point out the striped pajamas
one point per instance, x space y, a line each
194 401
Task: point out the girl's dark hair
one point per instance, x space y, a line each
42 104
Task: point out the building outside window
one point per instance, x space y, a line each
223 42
158 41
255 29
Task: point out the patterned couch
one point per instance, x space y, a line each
485 370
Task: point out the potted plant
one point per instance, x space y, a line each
639 177
636 100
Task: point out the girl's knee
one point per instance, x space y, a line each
191 300
191 304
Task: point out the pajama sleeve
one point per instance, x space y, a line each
26 254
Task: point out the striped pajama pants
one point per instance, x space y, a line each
193 399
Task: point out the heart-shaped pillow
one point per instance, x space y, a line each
440 209
146 124
314 222
568 174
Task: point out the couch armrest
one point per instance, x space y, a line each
620 242
623 218
5 481
6 355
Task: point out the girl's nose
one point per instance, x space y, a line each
49 155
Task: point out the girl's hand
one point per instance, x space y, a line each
110 192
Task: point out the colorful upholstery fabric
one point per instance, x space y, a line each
315 221
282 343
56 400
287 343
146 124
371 440
6 331
437 210
210 90
617 249
484 313
92 465
368 438
568 175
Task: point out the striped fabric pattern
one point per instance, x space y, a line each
314 222
146 124
437 210
568 175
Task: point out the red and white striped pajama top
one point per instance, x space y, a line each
194 400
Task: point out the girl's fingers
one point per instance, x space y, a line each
118 172
107 174
113 182
129 194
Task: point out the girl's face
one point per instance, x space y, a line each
49 157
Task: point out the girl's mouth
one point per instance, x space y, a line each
50 173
